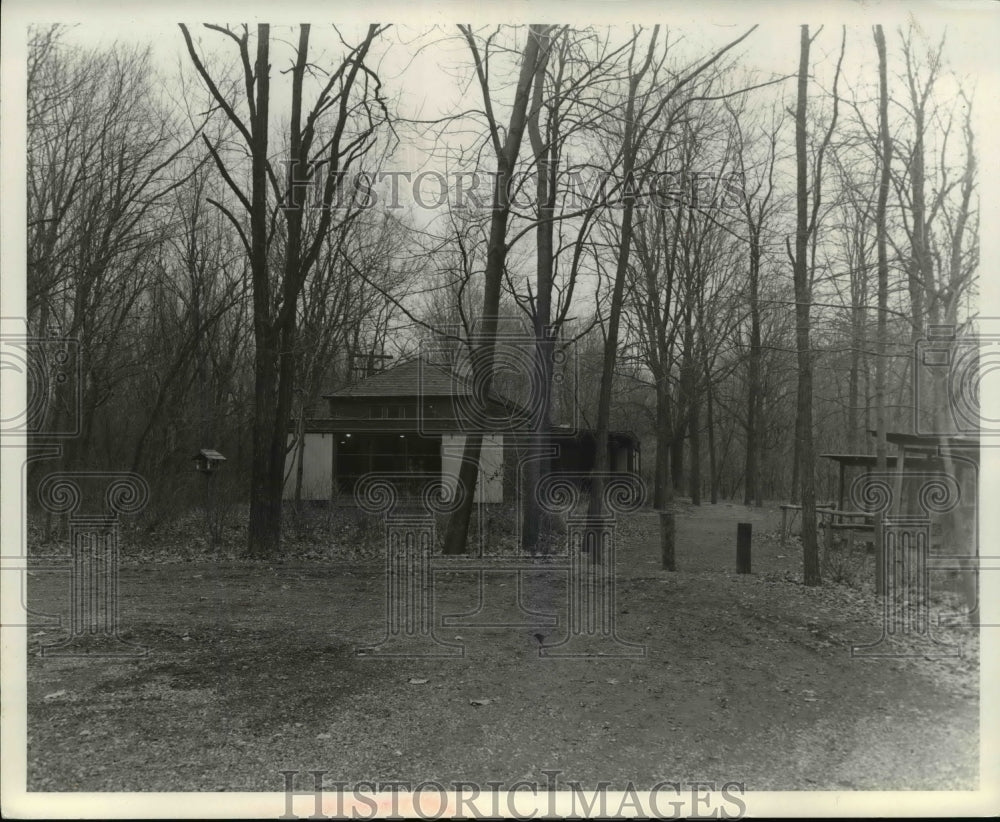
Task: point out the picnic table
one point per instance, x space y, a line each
831 520
851 522
790 508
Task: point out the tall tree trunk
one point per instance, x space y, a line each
300 452
677 453
688 383
290 291
611 353
919 263
546 156
264 532
803 302
694 432
456 535
662 489
713 468
854 374
751 492
885 160
793 493
265 514
629 153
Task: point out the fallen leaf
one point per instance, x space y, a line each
55 694
415 681
479 702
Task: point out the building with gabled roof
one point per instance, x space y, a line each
413 418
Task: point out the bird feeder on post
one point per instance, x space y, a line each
208 462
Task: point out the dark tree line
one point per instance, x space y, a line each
752 308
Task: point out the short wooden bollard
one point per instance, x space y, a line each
743 534
667 534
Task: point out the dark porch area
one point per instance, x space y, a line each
358 454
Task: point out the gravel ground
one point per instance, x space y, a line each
748 678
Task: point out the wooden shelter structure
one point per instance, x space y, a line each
867 463
918 458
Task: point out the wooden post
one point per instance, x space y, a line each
840 490
667 535
901 469
879 533
744 531
334 485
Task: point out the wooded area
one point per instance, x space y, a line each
742 259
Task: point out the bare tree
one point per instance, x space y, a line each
325 141
758 206
562 113
642 116
104 156
199 280
803 268
885 164
938 212
506 148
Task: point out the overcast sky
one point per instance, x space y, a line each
425 79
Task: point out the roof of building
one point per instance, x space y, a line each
928 442
407 379
415 378
871 461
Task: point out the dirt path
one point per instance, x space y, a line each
746 678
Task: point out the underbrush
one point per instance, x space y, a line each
946 596
310 531
847 563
